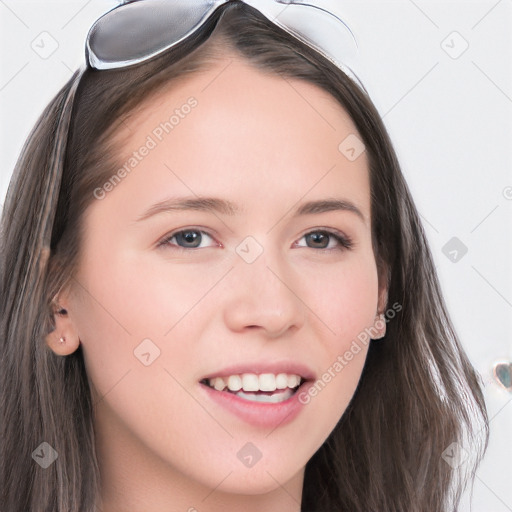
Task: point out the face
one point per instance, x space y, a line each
235 252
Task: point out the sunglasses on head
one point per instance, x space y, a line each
138 30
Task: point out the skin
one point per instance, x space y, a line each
268 145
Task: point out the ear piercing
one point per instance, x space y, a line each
62 339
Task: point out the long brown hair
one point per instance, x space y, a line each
418 392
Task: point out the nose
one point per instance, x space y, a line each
263 296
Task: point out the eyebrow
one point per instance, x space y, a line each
213 204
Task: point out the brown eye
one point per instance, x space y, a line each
318 240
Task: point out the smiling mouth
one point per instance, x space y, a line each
266 387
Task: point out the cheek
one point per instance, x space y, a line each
128 305
144 296
130 309
346 305
344 296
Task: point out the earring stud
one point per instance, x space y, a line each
62 340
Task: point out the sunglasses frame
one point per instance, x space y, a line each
315 23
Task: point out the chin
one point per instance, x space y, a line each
256 482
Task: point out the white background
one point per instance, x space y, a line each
449 113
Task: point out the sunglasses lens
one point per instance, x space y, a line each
135 31
322 30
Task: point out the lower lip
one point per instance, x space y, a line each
259 414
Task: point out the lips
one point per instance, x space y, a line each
268 387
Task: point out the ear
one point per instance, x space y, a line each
64 339
383 299
384 279
380 317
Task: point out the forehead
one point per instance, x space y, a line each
236 129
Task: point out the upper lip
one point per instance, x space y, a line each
261 367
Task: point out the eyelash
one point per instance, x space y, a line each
345 242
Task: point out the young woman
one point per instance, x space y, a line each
216 291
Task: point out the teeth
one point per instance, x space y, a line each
281 381
250 382
267 382
293 381
219 384
274 398
234 383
